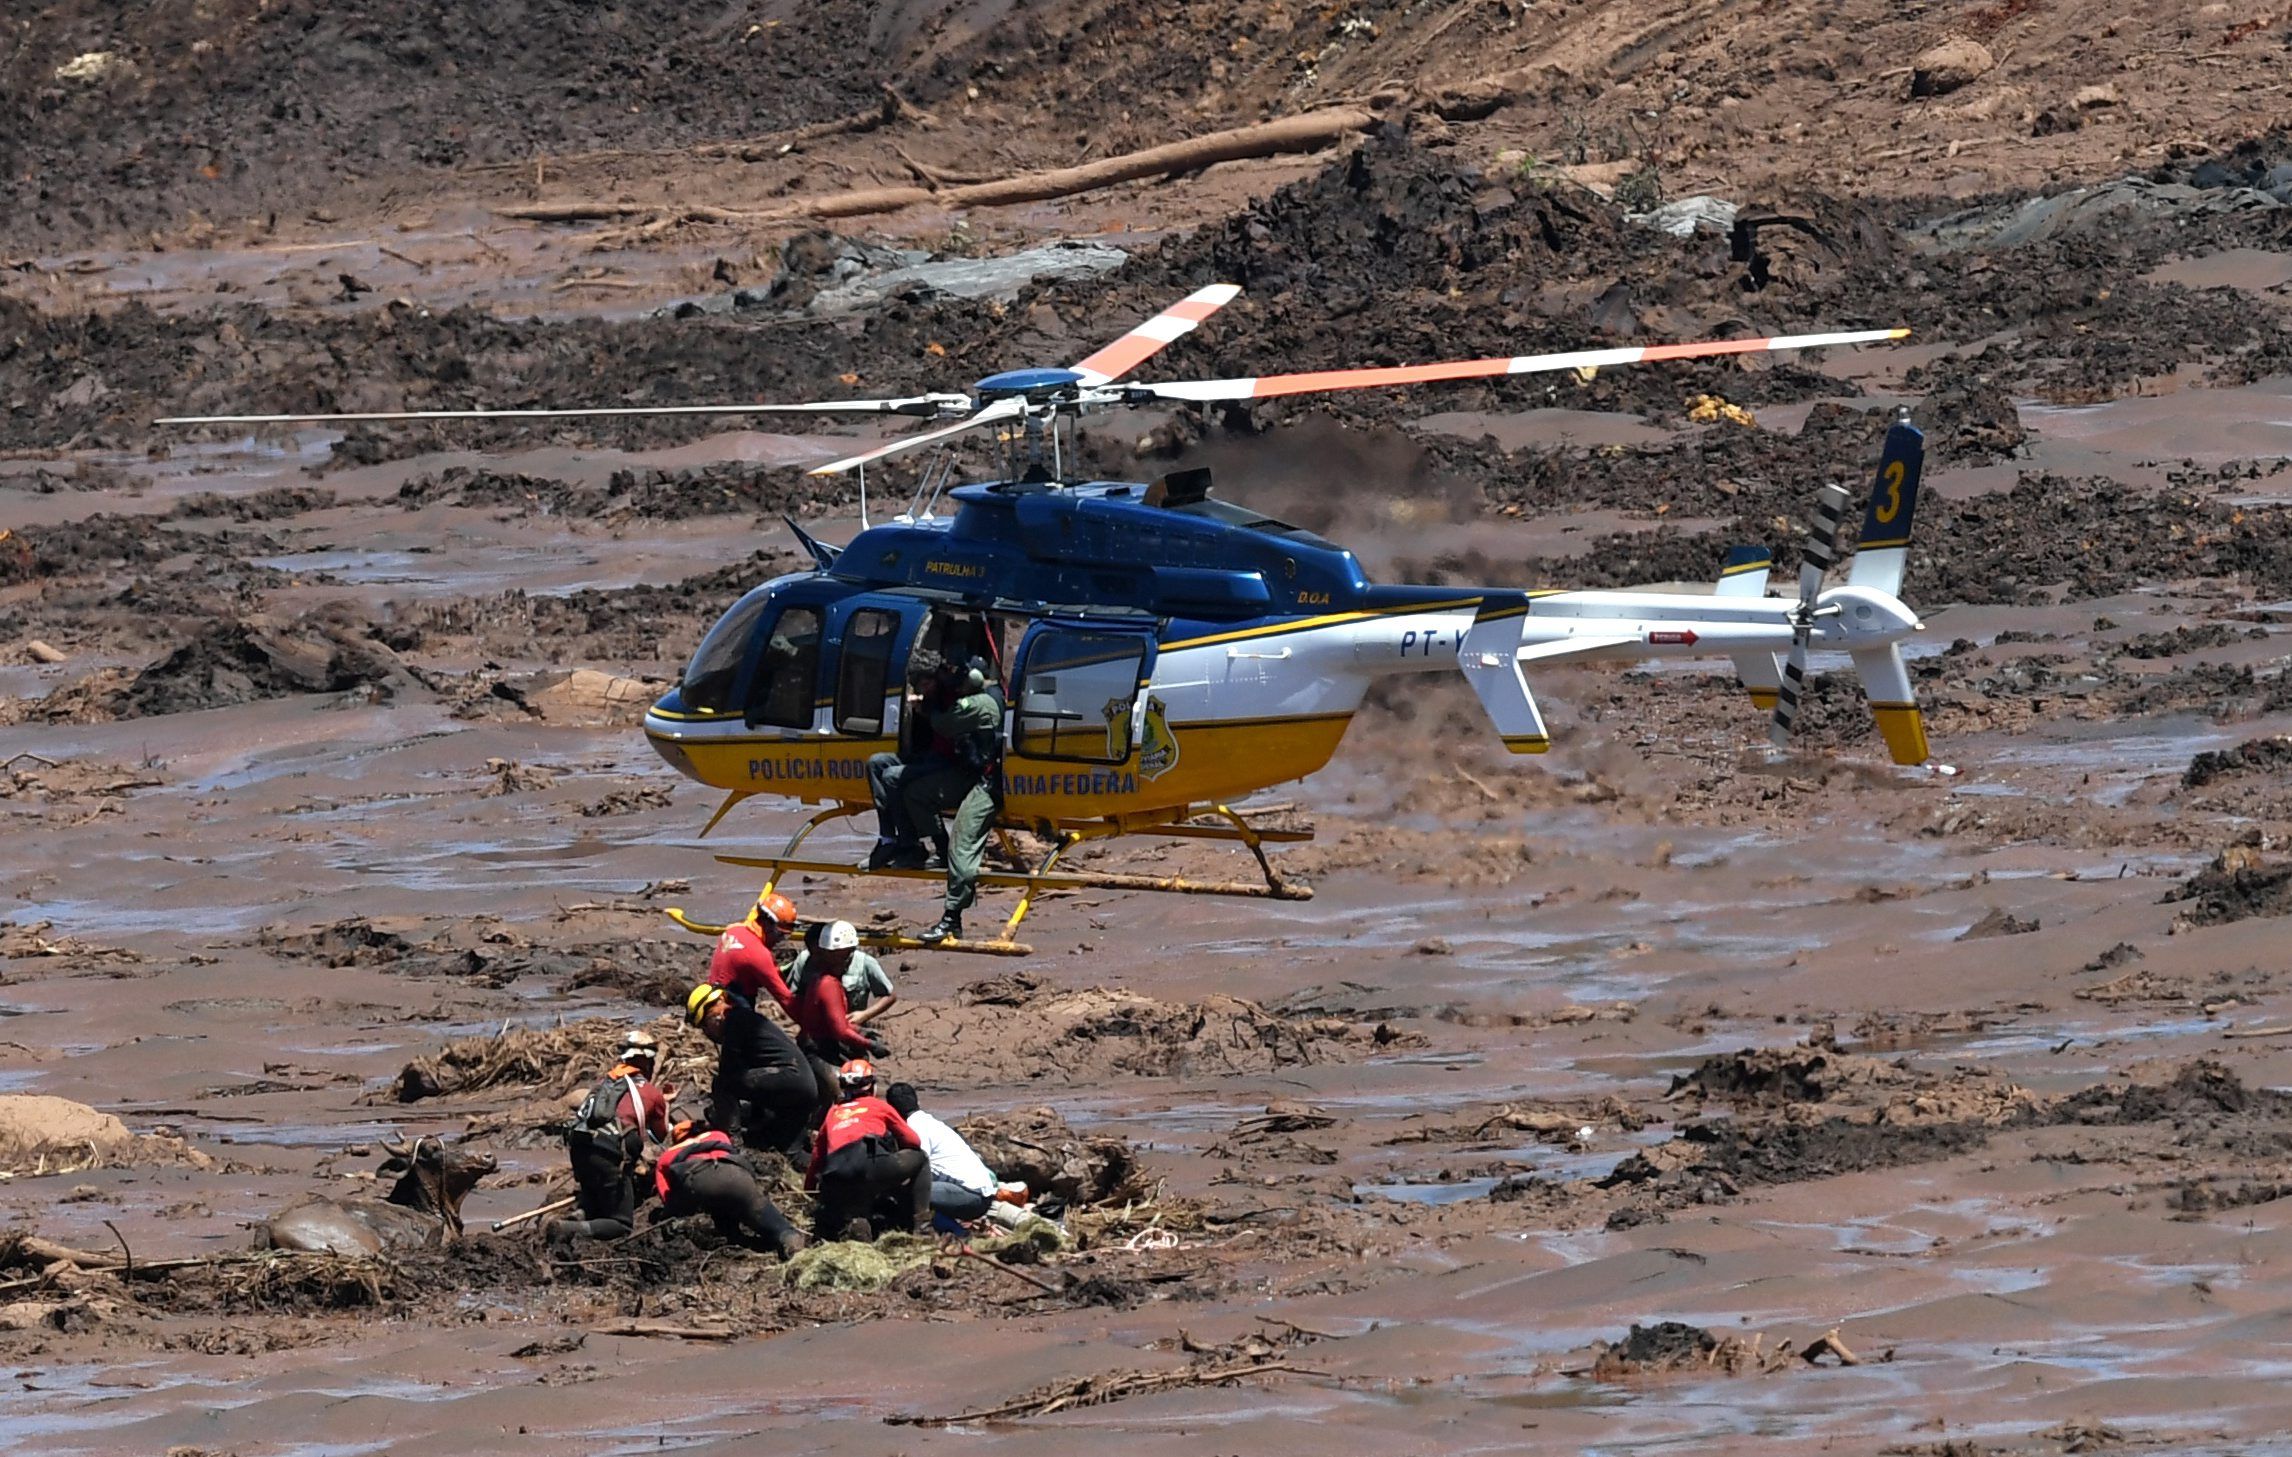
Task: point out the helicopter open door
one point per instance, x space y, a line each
1078 693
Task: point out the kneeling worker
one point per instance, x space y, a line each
706 1174
867 1163
962 1186
763 1094
605 1139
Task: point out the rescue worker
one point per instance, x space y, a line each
834 950
763 1093
897 847
969 782
962 1186
746 959
707 1174
827 1034
606 1137
867 1164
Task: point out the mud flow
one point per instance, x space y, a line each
1666 1091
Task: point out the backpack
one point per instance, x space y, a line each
599 1115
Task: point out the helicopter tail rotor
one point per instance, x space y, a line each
1814 560
1871 595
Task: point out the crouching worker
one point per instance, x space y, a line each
867 1164
605 1139
763 1093
962 1186
707 1174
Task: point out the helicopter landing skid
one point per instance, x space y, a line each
1044 877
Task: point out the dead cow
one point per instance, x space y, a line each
423 1209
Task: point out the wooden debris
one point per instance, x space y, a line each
1304 133
1107 1387
665 1331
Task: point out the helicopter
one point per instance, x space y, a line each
1165 653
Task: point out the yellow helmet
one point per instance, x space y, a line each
701 999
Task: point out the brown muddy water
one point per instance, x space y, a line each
1962 976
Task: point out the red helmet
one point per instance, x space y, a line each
856 1077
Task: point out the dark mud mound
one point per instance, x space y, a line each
1666 1345
2237 886
92 546
2271 757
246 107
1098 1032
1780 1075
246 660
273 504
484 953
1396 254
656 495
1036 1147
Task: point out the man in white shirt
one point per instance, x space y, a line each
962 1186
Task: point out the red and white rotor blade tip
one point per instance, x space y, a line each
913 405
995 412
1270 385
1150 338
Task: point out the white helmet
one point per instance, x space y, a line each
641 1046
840 936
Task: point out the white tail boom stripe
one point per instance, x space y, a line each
1150 338
1266 386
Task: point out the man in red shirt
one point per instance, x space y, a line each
744 959
867 1162
827 1034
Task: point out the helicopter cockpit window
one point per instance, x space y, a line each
715 664
866 671
780 693
1075 694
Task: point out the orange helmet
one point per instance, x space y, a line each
776 908
856 1077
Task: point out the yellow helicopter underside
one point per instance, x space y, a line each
1212 761
1202 766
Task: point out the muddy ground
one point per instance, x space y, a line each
1586 1098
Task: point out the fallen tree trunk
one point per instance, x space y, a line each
1309 132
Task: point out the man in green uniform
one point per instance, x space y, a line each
969 782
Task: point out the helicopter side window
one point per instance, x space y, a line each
866 671
1075 694
780 693
715 665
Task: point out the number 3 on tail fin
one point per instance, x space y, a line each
1883 549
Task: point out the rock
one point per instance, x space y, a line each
586 696
1998 922
1681 218
40 652
2093 98
1942 69
33 1126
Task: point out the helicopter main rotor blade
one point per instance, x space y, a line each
926 406
1266 386
1150 338
995 411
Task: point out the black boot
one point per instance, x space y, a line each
895 855
950 928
